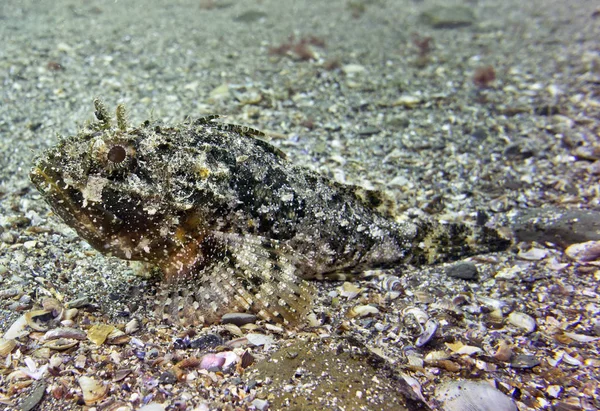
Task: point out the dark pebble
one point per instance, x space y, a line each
524 361
167 378
238 318
466 271
557 225
207 341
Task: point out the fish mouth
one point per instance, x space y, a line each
67 202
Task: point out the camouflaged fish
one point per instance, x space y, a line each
232 225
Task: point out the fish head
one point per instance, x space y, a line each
101 184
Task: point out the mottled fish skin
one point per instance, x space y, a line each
232 224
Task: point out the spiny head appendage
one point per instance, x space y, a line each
101 114
122 117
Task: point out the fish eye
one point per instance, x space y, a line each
117 154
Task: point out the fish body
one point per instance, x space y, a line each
231 224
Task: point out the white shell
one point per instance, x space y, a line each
428 333
472 396
93 391
522 321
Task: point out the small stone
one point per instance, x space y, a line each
465 271
353 69
238 319
167 378
206 342
522 320
584 252
30 244
448 17
407 101
260 405
524 361
78 303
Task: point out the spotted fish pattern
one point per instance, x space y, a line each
231 225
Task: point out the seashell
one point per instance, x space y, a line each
568 359
428 333
93 391
132 326
117 337
584 252
37 319
390 283
121 374
418 314
61 344
80 361
522 321
436 356
6 346
9 293
52 304
71 313
491 303
462 349
349 290
362 311
99 333
504 352
581 337
495 319
472 395
65 332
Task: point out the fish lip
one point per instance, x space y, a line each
49 182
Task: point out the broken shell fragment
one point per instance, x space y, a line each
362 311
61 344
6 346
93 391
132 326
99 332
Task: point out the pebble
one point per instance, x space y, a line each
207 341
465 271
260 405
522 321
584 252
238 319
524 361
556 225
352 69
448 17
